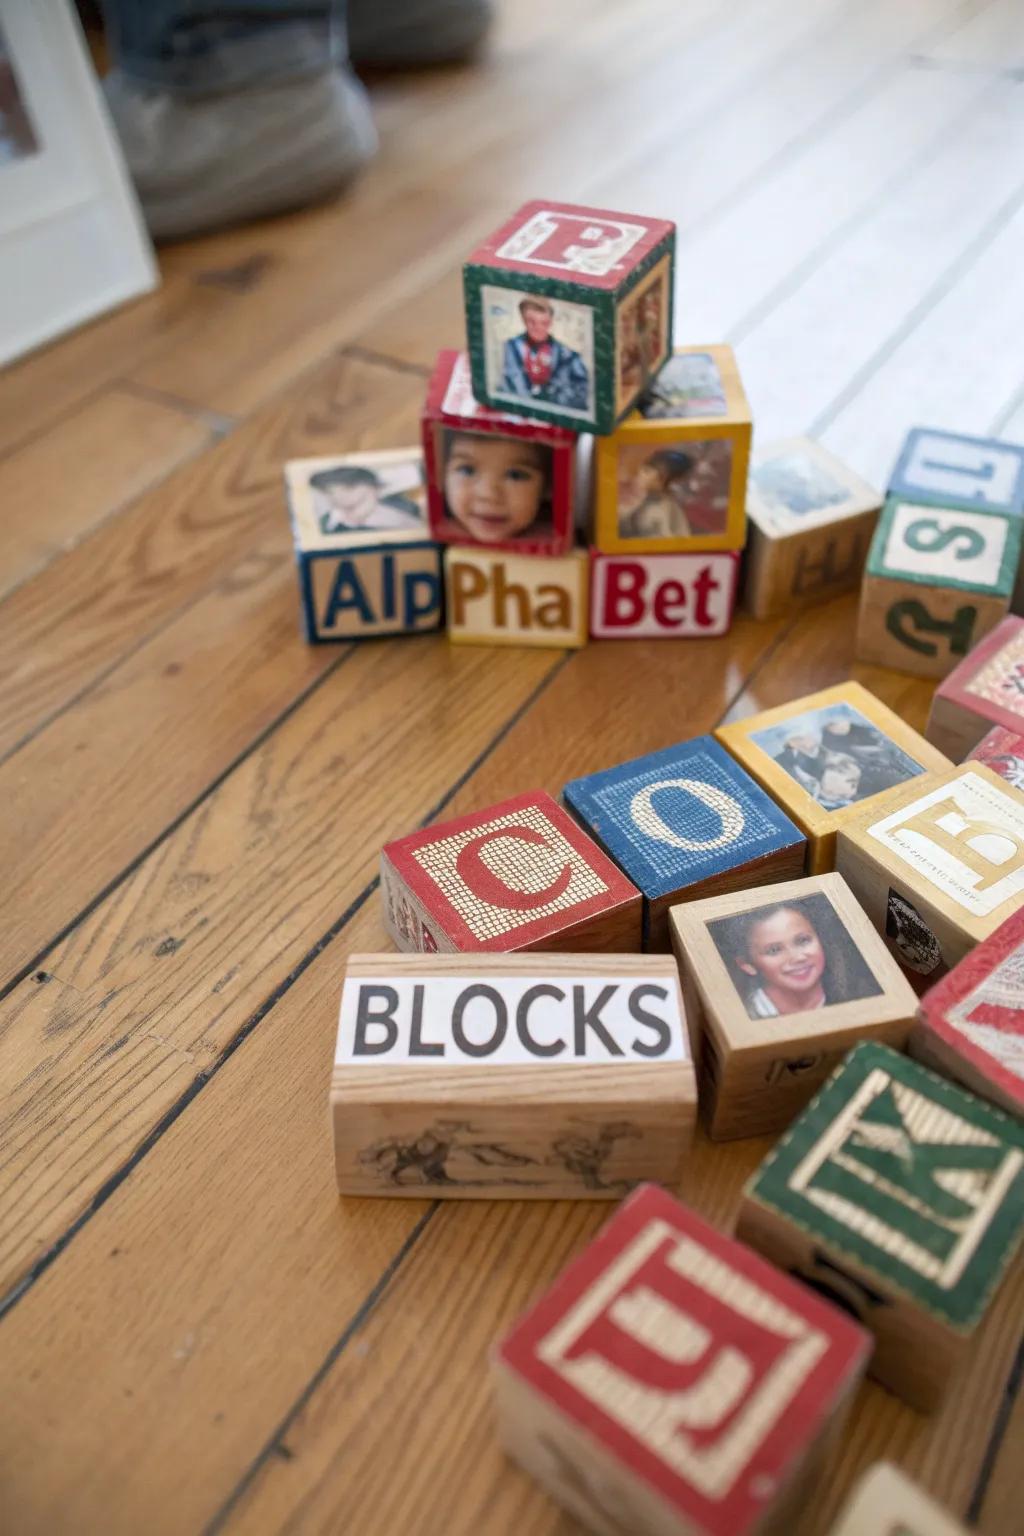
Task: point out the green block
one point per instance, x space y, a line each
968 550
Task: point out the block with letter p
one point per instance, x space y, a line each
671 1383
518 875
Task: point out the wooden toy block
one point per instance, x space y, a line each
902 1197
554 1076
673 478
986 689
937 580
569 313
367 563
946 469
671 1383
518 875
781 983
824 756
971 1025
937 864
683 823
662 596
810 521
504 599
885 1503
1003 752
494 479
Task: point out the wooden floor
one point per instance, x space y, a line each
198 1335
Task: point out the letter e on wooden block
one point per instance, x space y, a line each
518 875
971 1025
555 1076
902 1196
683 823
824 756
986 689
671 1383
780 984
503 599
652 597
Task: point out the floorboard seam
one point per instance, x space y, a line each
219 423
996 1438
377 359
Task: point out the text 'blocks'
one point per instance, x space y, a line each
903 1197
661 596
686 822
518 875
986 689
504 599
671 1381
947 469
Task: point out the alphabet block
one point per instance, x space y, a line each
569 313
504 599
946 469
661 596
781 983
937 580
824 756
673 478
885 1503
901 1196
683 823
671 1383
518 1076
810 525
1003 752
492 478
518 875
367 564
971 1025
937 865
986 689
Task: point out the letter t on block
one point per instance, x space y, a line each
672 1383
518 875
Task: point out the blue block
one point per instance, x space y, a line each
946 469
683 818
372 590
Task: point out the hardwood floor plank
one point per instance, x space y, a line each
998 1508
993 39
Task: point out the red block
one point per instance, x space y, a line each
662 596
674 1381
971 1026
518 875
1003 751
553 240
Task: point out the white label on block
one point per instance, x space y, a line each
571 242
976 471
941 544
655 595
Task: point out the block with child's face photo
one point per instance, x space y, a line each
836 755
496 488
352 496
689 385
539 350
674 492
641 334
791 957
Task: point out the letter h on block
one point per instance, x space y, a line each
519 875
673 1382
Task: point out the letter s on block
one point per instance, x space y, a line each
483 882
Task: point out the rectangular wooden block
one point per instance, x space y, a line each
810 521
937 580
518 1076
503 481
986 689
885 1503
569 312
683 823
903 1197
367 563
671 1383
1003 752
937 865
673 478
662 596
947 469
781 983
971 1026
518 875
505 599
823 757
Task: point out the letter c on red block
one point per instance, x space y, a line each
483 882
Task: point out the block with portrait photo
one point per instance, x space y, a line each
985 689
809 526
780 984
511 1076
901 1196
937 864
368 565
506 482
517 875
673 477
684 823
671 1383
569 313
1003 752
938 579
948 469
886 1503
499 598
825 755
655 597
